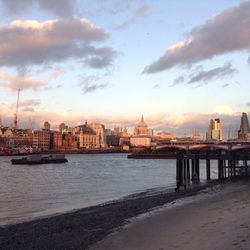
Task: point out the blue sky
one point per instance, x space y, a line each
180 63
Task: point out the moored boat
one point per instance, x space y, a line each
152 156
39 159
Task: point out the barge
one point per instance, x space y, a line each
39 159
152 156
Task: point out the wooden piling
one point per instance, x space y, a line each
188 171
193 169
208 169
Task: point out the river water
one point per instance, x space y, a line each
32 191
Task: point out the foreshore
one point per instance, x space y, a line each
82 228
220 219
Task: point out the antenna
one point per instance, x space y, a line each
15 125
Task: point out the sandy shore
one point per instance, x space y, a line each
219 220
82 228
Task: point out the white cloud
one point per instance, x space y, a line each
29 42
29 102
23 82
180 124
226 32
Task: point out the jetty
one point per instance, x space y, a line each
232 159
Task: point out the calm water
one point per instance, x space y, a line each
30 191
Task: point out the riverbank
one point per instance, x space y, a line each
219 219
82 228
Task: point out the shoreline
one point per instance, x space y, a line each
82 228
219 219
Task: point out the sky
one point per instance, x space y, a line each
179 63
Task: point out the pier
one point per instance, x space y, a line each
232 161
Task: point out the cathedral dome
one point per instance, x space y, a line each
142 123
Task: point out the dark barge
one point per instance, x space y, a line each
38 159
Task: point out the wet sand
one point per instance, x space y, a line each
82 228
219 220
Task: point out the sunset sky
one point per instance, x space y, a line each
180 63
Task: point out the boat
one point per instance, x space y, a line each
39 159
152 156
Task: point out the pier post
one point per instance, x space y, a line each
220 162
179 170
193 169
245 164
197 169
230 169
224 169
188 171
234 166
208 168
184 172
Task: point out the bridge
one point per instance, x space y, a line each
232 160
202 146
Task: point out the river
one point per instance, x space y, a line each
32 191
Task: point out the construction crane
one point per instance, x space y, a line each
15 124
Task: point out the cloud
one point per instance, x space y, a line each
64 8
216 73
102 57
180 124
29 102
27 109
140 12
225 85
29 42
226 32
57 73
92 83
93 87
156 86
23 82
178 80
114 6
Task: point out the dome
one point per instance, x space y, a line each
142 123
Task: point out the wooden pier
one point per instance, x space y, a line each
233 159
229 164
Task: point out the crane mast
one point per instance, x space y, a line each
15 125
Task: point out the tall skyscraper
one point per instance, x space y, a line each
214 132
244 132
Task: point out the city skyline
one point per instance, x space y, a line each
112 62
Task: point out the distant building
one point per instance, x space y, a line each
57 139
143 141
142 129
63 127
125 132
87 137
1 124
196 136
168 136
46 126
244 132
69 141
99 130
214 132
142 135
41 139
117 131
